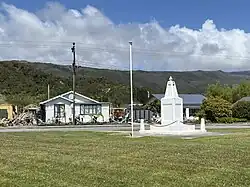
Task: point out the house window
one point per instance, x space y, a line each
193 111
3 113
59 110
87 109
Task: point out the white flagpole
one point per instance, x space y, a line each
131 87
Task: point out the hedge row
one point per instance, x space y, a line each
218 110
231 120
241 109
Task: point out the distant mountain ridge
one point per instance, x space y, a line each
241 73
189 81
21 77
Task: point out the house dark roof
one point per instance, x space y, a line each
244 99
188 99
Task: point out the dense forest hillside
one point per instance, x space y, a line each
188 82
24 82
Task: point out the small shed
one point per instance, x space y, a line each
243 99
7 110
247 99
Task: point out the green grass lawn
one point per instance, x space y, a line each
100 159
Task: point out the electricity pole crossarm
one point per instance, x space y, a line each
74 82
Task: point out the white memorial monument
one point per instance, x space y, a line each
172 115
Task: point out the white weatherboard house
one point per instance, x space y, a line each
61 107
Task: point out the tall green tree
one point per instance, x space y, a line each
154 106
218 90
141 94
241 90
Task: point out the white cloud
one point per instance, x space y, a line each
47 35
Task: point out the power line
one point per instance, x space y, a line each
115 53
109 48
144 51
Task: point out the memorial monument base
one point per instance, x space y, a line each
175 127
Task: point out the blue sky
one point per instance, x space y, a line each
226 14
197 44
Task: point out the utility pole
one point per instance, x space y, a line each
131 87
74 82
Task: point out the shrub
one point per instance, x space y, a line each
214 108
241 110
230 120
194 121
3 125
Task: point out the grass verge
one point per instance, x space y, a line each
98 159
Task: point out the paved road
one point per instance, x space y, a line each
228 127
106 128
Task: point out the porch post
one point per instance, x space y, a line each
187 113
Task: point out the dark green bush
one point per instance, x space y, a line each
3 125
214 108
231 120
241 110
